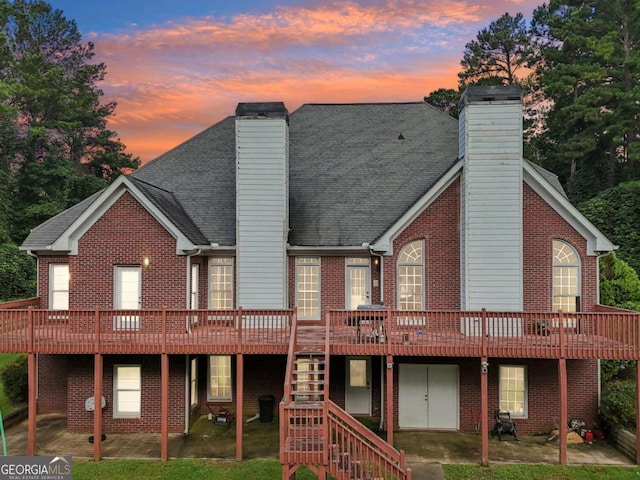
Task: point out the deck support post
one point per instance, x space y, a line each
239 403
164 407
31 431
562 435
637 410
484 409
389 399
97 406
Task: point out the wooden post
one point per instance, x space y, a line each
484 409
239 403
562 436
31 431
97 406
389 399
637 410
164 407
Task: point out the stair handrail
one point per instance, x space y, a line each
378 446
288 376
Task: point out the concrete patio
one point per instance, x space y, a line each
261 441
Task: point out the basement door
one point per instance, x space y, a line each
358 386
428 396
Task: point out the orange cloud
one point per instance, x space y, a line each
171 81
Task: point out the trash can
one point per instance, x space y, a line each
266 408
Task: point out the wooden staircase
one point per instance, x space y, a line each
317 433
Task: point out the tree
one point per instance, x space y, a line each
589 74
446 100
57 129
616 213
499 55
619 283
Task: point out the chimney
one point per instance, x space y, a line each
490 144
262 204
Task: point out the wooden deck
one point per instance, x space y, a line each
450 334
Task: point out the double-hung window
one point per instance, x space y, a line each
219 378
127 386
513 390
59 286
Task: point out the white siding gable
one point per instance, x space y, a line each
262 211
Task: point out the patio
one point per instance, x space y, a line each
261 441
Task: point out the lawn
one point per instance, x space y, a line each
270 469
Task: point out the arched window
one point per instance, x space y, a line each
566 277
411 277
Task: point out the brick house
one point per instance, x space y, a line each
232 267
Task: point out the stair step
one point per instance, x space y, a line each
307 382
310 352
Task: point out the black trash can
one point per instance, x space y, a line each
266 408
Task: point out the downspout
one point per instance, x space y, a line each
187 390
598 255
188 299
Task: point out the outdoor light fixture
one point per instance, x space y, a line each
146 262
484 367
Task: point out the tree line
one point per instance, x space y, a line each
55 147
578 63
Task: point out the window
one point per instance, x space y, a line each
195 275
59 286
513 390
221 283
566 277
411 277
193 382
308 287
219 378
127 391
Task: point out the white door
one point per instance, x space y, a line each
128 296
358 386
358 288
428 396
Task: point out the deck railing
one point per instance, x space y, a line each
605 335
357 453
614 334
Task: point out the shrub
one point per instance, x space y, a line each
618 405
14 378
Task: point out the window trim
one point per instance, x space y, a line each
420 264
54 289
525 400
314 262
577 266
116 412
221 398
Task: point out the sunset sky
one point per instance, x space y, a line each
176 67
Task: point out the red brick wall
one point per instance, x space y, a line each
80 387
542 225
52 383
125 235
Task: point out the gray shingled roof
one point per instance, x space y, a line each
354 170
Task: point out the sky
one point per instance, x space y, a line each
175 67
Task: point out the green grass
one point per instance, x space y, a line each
5 405
183 469
270 469
539 472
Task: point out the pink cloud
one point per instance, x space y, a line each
173 80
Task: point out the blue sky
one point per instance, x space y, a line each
176 67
